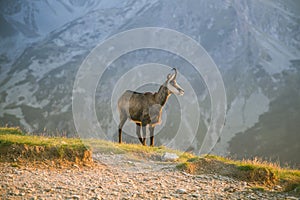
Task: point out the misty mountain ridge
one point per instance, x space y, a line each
256 46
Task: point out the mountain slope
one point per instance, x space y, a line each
252 42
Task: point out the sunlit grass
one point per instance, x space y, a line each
38 147
137 149
11 130
10 136
250 164
291 177
8 139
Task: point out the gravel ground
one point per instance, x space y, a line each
117 177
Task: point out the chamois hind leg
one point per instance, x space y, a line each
138 132
144 135
123 119
151 130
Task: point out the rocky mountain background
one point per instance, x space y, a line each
255 44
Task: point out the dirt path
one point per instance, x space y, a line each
119 177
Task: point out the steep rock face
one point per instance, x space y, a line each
255 44
256 82
36 89
274 136
24 23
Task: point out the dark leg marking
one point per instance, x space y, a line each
144 135
138 132
151 129
122 122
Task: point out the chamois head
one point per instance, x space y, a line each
172 85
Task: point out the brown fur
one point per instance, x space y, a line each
144 109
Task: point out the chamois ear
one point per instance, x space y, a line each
175 75
172 76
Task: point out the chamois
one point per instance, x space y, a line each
145 108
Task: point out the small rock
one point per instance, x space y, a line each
75 196
18 172
59 187
186 174
229 189
277 187
181 191
175 195
10 176
96 198
244 183
169 157
292 198
14 193
252 197
130 163
76 166
48 190
22 194
195 195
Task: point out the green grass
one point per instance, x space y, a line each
258 188
10 136
248 165
8 139
290 178
13 130
106 147
16 144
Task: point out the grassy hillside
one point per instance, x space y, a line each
261 173
17 147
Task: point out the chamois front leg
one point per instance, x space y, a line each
138 132
122 122
151 130
144 135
